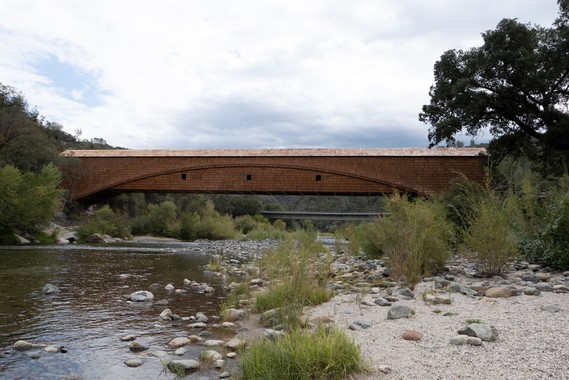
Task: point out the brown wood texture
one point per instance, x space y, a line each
285 171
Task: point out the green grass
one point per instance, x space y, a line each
327 353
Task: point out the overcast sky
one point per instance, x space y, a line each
241 74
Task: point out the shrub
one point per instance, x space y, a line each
160 220
28 200
491 241
103 221
327 353
414 236
549 245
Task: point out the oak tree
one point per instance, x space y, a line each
515 86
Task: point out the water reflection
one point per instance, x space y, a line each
90 313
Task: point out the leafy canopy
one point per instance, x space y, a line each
516 86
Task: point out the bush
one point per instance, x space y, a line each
549 245
28 200
159 220
490 240
414 236
103 221
327 353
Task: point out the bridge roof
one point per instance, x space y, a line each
280 152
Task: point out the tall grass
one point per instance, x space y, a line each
295 273
414 237
490 240
327 353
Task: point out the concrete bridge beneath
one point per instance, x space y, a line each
363 171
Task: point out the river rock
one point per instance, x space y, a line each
179 342
530 291
186 365
210 356
235 344
405 293
398 310
485 332
50 289
382 302
141 296
180 351
51 349
560 289
95 239
233 314
213 342
34 354
413 335
551 308
166 314
128 338
169 287
501 292
544 287
225 375
136 346
23 345
133 363
197 325
201 317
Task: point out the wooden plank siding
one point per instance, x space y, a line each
271 171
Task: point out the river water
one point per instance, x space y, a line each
90 314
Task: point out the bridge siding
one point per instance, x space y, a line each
293 175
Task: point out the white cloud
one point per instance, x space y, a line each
182 74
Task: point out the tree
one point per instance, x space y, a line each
28 200
24 142
516 86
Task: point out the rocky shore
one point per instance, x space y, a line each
455 325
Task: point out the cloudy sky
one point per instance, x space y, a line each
241 74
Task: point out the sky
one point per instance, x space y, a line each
185 74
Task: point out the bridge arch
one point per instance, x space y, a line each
273 171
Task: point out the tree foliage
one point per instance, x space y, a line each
28 200
516 86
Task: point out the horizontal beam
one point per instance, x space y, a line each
330 216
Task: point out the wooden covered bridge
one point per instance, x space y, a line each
364 171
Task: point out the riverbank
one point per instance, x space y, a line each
528 308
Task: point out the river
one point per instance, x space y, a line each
90 314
